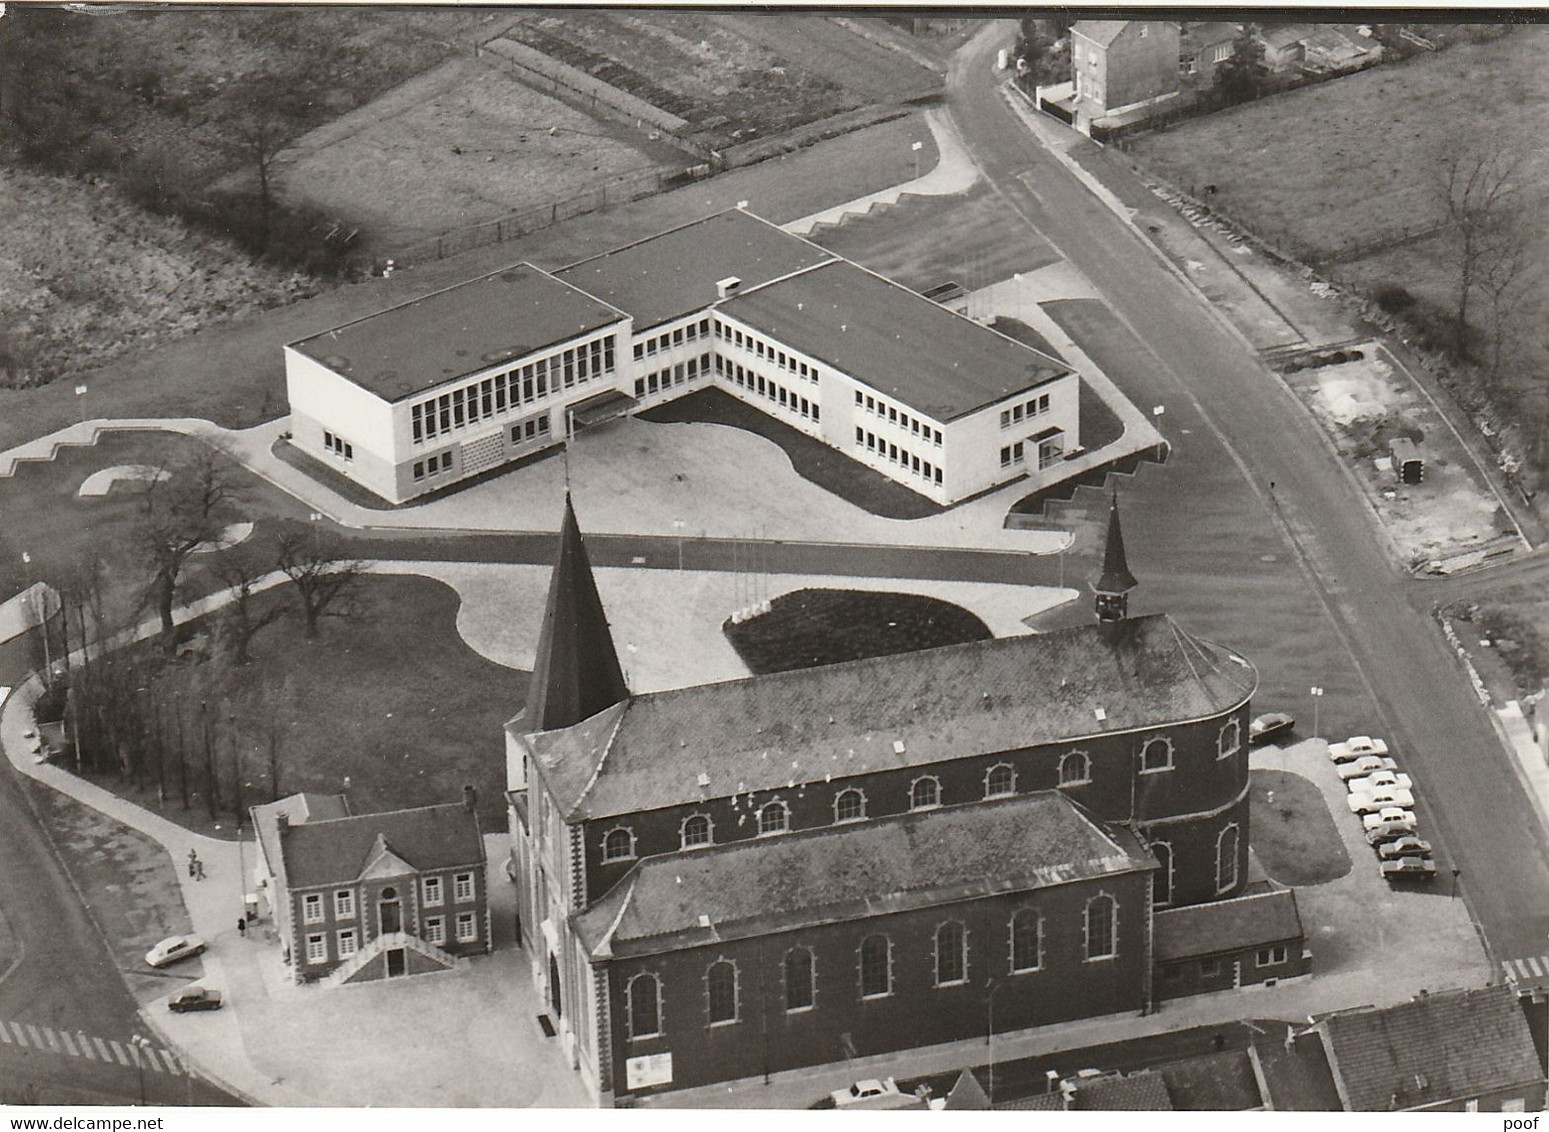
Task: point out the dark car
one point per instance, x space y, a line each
1263 727
1407 846
1409 868
194 998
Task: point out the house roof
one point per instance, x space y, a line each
967 1095
786 729
1212 1082
1284 35
339 850
764 885
1225 925
461 330
1210 34
296 809
1037 1102
1103 32
1295 1077
1142 1091
674 273
1435 1048
896 341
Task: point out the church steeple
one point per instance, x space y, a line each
576 673
1112 586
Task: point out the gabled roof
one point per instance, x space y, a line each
1142 1091
759 886
1436 1048
786 729
1225 925
296 809
576 673
1295 1077
340 850
967 1094
1100 31
1212 1082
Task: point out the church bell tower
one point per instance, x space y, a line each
1111 588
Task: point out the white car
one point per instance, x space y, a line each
1386 825
1382 780
1361 767
874 1094
1374 800
1356 746
174 948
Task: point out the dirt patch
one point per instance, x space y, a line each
808 628
1292 833
1507 638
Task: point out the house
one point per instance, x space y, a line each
1293 1074
454 384
1121 66
1204 47
1254 939
370 896
1464 1050
799 868
1316 48
1141 1091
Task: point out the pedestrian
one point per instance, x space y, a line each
198 869
193 863
242 926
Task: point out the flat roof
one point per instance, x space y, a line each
673 274
894 340
458 331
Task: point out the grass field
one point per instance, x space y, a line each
1292 832
808 628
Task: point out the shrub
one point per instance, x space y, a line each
1393 298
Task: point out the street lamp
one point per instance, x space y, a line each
80 399
140 1044
917 146
1317 695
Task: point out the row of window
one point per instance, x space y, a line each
893 415
768 351
666 378
1228 842
1210 968
347 941
669 338
338 446
521 385
900 456
432 895
433 466
874 971
1000 781
764 387
1027 410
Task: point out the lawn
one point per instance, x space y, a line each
809 628
1292 832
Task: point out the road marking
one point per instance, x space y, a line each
103 1050
172 1063
86 1049
53 1044
118 1052
37 1038
1532 965
5 1035
69 1045
21 1035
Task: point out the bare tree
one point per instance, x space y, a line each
1504 271
1474 179
326 581
179 511
243 620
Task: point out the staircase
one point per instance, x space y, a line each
1094 477
350 968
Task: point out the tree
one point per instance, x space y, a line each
178 511
1242 75
1505 267
243 620
1473 180
325 580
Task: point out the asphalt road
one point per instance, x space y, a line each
1236 430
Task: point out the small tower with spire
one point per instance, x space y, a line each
576 673
1111 587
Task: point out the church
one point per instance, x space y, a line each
731 880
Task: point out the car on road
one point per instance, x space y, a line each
872 1093
1409 868
175 948
1356 746
1267 726
1388 823
1361 767
1381 780
1370 801
1406 846
194 998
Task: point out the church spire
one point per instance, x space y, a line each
1112 586
576 673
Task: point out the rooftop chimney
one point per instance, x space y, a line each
283 821
728 286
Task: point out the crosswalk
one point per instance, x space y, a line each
1532 969
68 1043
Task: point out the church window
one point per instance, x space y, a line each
850 805
924 793
1157 754
618 844
1075 769
1229 742
1162 879
999 781
1226 859
1101 913
697 830
876 967
798 979
951 954
775 817
721 989
1026 941
644 993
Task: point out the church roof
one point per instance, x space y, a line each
882 713
1197 930
755 887
339 850
1115 578
576 673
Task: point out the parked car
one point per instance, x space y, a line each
175 948
1371 801
194 998
1406 846
875 1094
1415 868
1392 819
1267 726
1382 780
1361 767
1356 746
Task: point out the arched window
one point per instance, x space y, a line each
1026 941
1162 879
1075 769
849 805
1101 912
999 781
876 967
721 990
1157 754
1229 742
773 817
1226 859
798 979
696 830
618 844
951 954
644 993
924 793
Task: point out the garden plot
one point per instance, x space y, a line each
1365 406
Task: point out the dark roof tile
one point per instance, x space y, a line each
337 851
1226 925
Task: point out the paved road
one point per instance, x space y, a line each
1226 410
